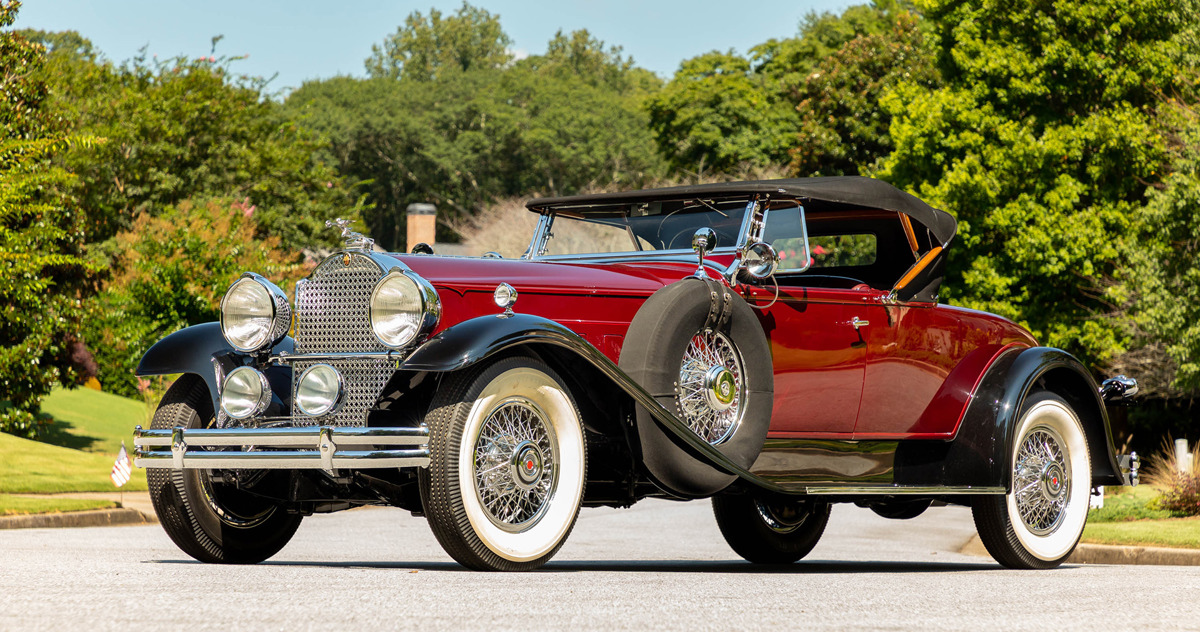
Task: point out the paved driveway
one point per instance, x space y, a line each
659 565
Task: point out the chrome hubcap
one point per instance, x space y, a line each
785 519
515 465
1040 483
711 390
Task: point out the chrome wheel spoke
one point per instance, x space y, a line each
1040 480
515 464
707 354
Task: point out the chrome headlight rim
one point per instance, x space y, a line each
336 401
431 308
281 315
264 393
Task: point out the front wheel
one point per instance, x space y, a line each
770 532
508 463
1039 523
211 521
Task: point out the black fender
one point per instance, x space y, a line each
477 339
203 351
979 452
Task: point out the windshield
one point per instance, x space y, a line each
645 226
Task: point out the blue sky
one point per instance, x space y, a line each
307 39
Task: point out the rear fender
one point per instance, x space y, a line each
979 452
202 350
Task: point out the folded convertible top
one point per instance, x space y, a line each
852 190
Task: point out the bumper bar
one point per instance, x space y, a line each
326 448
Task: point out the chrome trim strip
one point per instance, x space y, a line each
285 357
286 460
900 490
635 254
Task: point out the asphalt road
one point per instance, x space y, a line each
659 565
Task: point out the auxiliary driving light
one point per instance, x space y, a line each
245 393
319 391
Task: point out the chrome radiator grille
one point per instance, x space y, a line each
331 317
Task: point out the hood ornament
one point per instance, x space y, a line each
351 240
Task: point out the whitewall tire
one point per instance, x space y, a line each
508 465
1039 522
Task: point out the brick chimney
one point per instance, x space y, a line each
422 224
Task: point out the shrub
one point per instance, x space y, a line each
1180 491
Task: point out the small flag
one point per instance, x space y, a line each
121 470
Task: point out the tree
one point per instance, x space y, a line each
183 129
843 130
427 48
553 123
1162 278
169 272
43 277
1041 144
722 112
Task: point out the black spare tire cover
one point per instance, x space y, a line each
652 354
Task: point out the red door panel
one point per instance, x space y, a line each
819 359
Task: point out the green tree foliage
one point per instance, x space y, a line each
430 47
722 112
182 129
1041 144
553 123
1162 274
842 128
169 272
43 277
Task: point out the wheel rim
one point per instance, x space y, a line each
515 464
225 514
712 390
781 519
1041 484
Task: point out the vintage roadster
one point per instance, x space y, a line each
776 345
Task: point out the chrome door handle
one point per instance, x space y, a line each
858 322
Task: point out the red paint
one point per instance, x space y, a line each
908 374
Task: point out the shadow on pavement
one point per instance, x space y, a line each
823 567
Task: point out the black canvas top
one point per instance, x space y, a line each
854 190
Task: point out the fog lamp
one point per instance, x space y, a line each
320 390
245 393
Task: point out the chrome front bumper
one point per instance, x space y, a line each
328 448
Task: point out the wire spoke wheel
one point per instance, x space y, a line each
1040 481
712 389
516 459
1039 522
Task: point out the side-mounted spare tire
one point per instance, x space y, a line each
699 350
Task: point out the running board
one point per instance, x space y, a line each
900 490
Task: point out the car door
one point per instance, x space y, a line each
819 357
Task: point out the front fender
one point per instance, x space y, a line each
200 350
979 452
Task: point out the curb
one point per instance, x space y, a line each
94 518
1112 554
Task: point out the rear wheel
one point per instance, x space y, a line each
507 467
770 532
1039 523
212 522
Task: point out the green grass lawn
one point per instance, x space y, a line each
1129 518
1174 532
77 455
17 505
32 467
92 421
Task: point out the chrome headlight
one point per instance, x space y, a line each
254 313
403 306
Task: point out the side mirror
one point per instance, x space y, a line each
703 242
760 260
422 249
